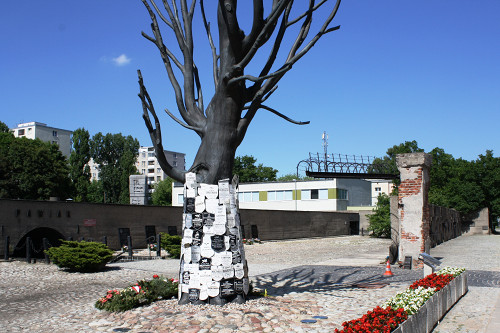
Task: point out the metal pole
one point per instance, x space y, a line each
28 250
158 245
45 243
129 242
6 249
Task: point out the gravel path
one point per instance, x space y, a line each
305 278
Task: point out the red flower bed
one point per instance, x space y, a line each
433 281
377 321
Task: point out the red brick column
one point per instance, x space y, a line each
413 205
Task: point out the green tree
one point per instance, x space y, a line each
292 176
95 192
162 195
380 221
3 127
32 169
245 168
78 160
487 171
116 155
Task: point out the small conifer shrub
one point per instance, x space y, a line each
80 256
171 244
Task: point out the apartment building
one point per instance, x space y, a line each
147 163
35 130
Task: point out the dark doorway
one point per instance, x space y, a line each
172 230
353 227
150 234
37 235
123 233
255 231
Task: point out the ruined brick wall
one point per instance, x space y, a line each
445 224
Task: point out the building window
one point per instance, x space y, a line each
151 162
175 155
54 133
143 171
248 196
378 189
158 178
321 194
279 195
143 163
314 194
342 194
175 163
20 132
158 170
151 154
143 154
180 198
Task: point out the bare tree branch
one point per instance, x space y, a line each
155 132
215 57
300 17
265 107
196 129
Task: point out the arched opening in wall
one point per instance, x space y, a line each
37 235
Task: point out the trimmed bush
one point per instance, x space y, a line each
171 244
80 256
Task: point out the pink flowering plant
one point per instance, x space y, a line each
144 292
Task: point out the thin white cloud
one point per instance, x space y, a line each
121 60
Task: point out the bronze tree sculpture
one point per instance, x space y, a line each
222 124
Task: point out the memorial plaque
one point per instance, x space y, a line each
195 254
227 272
186 253
239 271
236 257
190 193
211 205
238 286
190 179
227 288
205 277
217 273
208 231
220 215
185 288
233 244
194 294
219 229
186 277
213 288
234 231
208 219
203 294
237 221
230 221
206 249
197 237
211 191
217 259
205 264
224 193
187 237
197 221
199 204
189 205
226 242
227 258
188 220
218 243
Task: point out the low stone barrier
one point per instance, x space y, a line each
436 307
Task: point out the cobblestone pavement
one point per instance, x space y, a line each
305 278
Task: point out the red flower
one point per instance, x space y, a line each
155 276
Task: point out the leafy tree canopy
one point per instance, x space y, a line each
3 127
380 221
162 195
292 176
245 168
78 160
32 169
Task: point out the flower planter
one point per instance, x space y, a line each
426 318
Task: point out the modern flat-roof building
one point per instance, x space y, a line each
35 130
311 195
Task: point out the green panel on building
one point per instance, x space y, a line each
262 195
332 193
296 194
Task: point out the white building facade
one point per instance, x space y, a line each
147 163
35 130
315 195
379 187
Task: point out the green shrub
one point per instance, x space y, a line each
80 256
142 293
171 244
380 221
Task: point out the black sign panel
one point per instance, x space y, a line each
194 294
407 263
233 245
205 264
208 219
197 221
189 202
227 288
236 257
218 243
197 235
238 286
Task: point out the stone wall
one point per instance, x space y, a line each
446 224
93 221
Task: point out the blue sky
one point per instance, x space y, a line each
395 71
